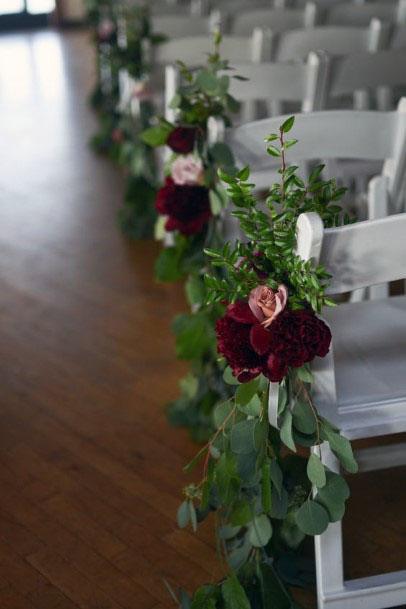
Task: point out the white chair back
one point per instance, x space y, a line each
366 71
399 38
194 49
361 14
278 20
358 255
336 134
297 44
179 25
282 82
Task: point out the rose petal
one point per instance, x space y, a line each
253 303
277 368
248 375
260 339
240 311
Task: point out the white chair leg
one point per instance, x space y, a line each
376 592
329 549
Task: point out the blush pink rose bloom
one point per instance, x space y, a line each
266 304
141 90
105 29
187 170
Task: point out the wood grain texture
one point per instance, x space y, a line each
90 472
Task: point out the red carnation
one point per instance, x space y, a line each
182 139
298 336
293 339
187 207
233 342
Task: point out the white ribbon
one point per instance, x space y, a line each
273 404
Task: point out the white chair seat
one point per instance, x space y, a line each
370 368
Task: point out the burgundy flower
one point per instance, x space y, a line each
298 336
182 139
187 207
294 338
233 342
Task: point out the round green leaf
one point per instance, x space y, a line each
315 471
242 438
183 515
260 531
312 518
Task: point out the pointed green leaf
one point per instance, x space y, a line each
233 594
286 431
288 124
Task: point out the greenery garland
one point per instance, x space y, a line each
124 37
268 487
191 205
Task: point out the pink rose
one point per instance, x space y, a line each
141 90
267 304
187 170
106 29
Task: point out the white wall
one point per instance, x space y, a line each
72 10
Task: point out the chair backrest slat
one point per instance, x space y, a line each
179 25
193 50
327 135
285 82
358 255
361 14
296 44
366 71
278 20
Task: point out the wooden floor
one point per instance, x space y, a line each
90 472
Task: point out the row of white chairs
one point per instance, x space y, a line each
242 21
289 44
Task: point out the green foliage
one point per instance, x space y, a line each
119 135
137 217
266 497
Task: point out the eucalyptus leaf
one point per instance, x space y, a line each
315 471
304 419
286 431
229 378
341 447
246 392
312 518
183 515
242 439
221 411
241 513
260 531
233 594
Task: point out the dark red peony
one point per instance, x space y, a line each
187 207
182 139
293 339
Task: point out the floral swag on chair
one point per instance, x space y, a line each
266 481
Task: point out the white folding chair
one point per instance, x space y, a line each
278 20
297 44
361 385
362 13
